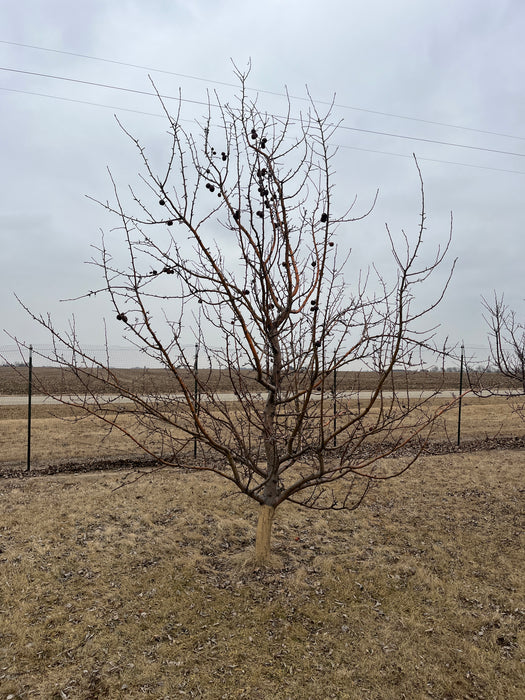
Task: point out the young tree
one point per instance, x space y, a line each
506 338
507 343
239 239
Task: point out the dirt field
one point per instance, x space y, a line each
118 587
14 380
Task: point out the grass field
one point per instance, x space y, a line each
60 435
118 587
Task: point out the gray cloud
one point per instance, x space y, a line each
459 63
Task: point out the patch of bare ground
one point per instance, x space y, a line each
56 380
148 590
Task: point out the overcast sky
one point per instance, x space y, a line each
448 71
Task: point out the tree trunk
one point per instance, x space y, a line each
263 535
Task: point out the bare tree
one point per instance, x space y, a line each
238 239
507 343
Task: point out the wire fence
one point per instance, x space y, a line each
121 357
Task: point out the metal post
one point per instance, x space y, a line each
29 393
335 406
460 391
196 394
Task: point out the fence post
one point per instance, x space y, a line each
460 391
335 406
29 394
196 398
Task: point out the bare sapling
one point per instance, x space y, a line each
507 347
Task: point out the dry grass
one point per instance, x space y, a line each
147 591
58 435
150 591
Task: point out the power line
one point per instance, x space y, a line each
433 160
171 97
436 141
83 102
354 148
102 85
266 92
